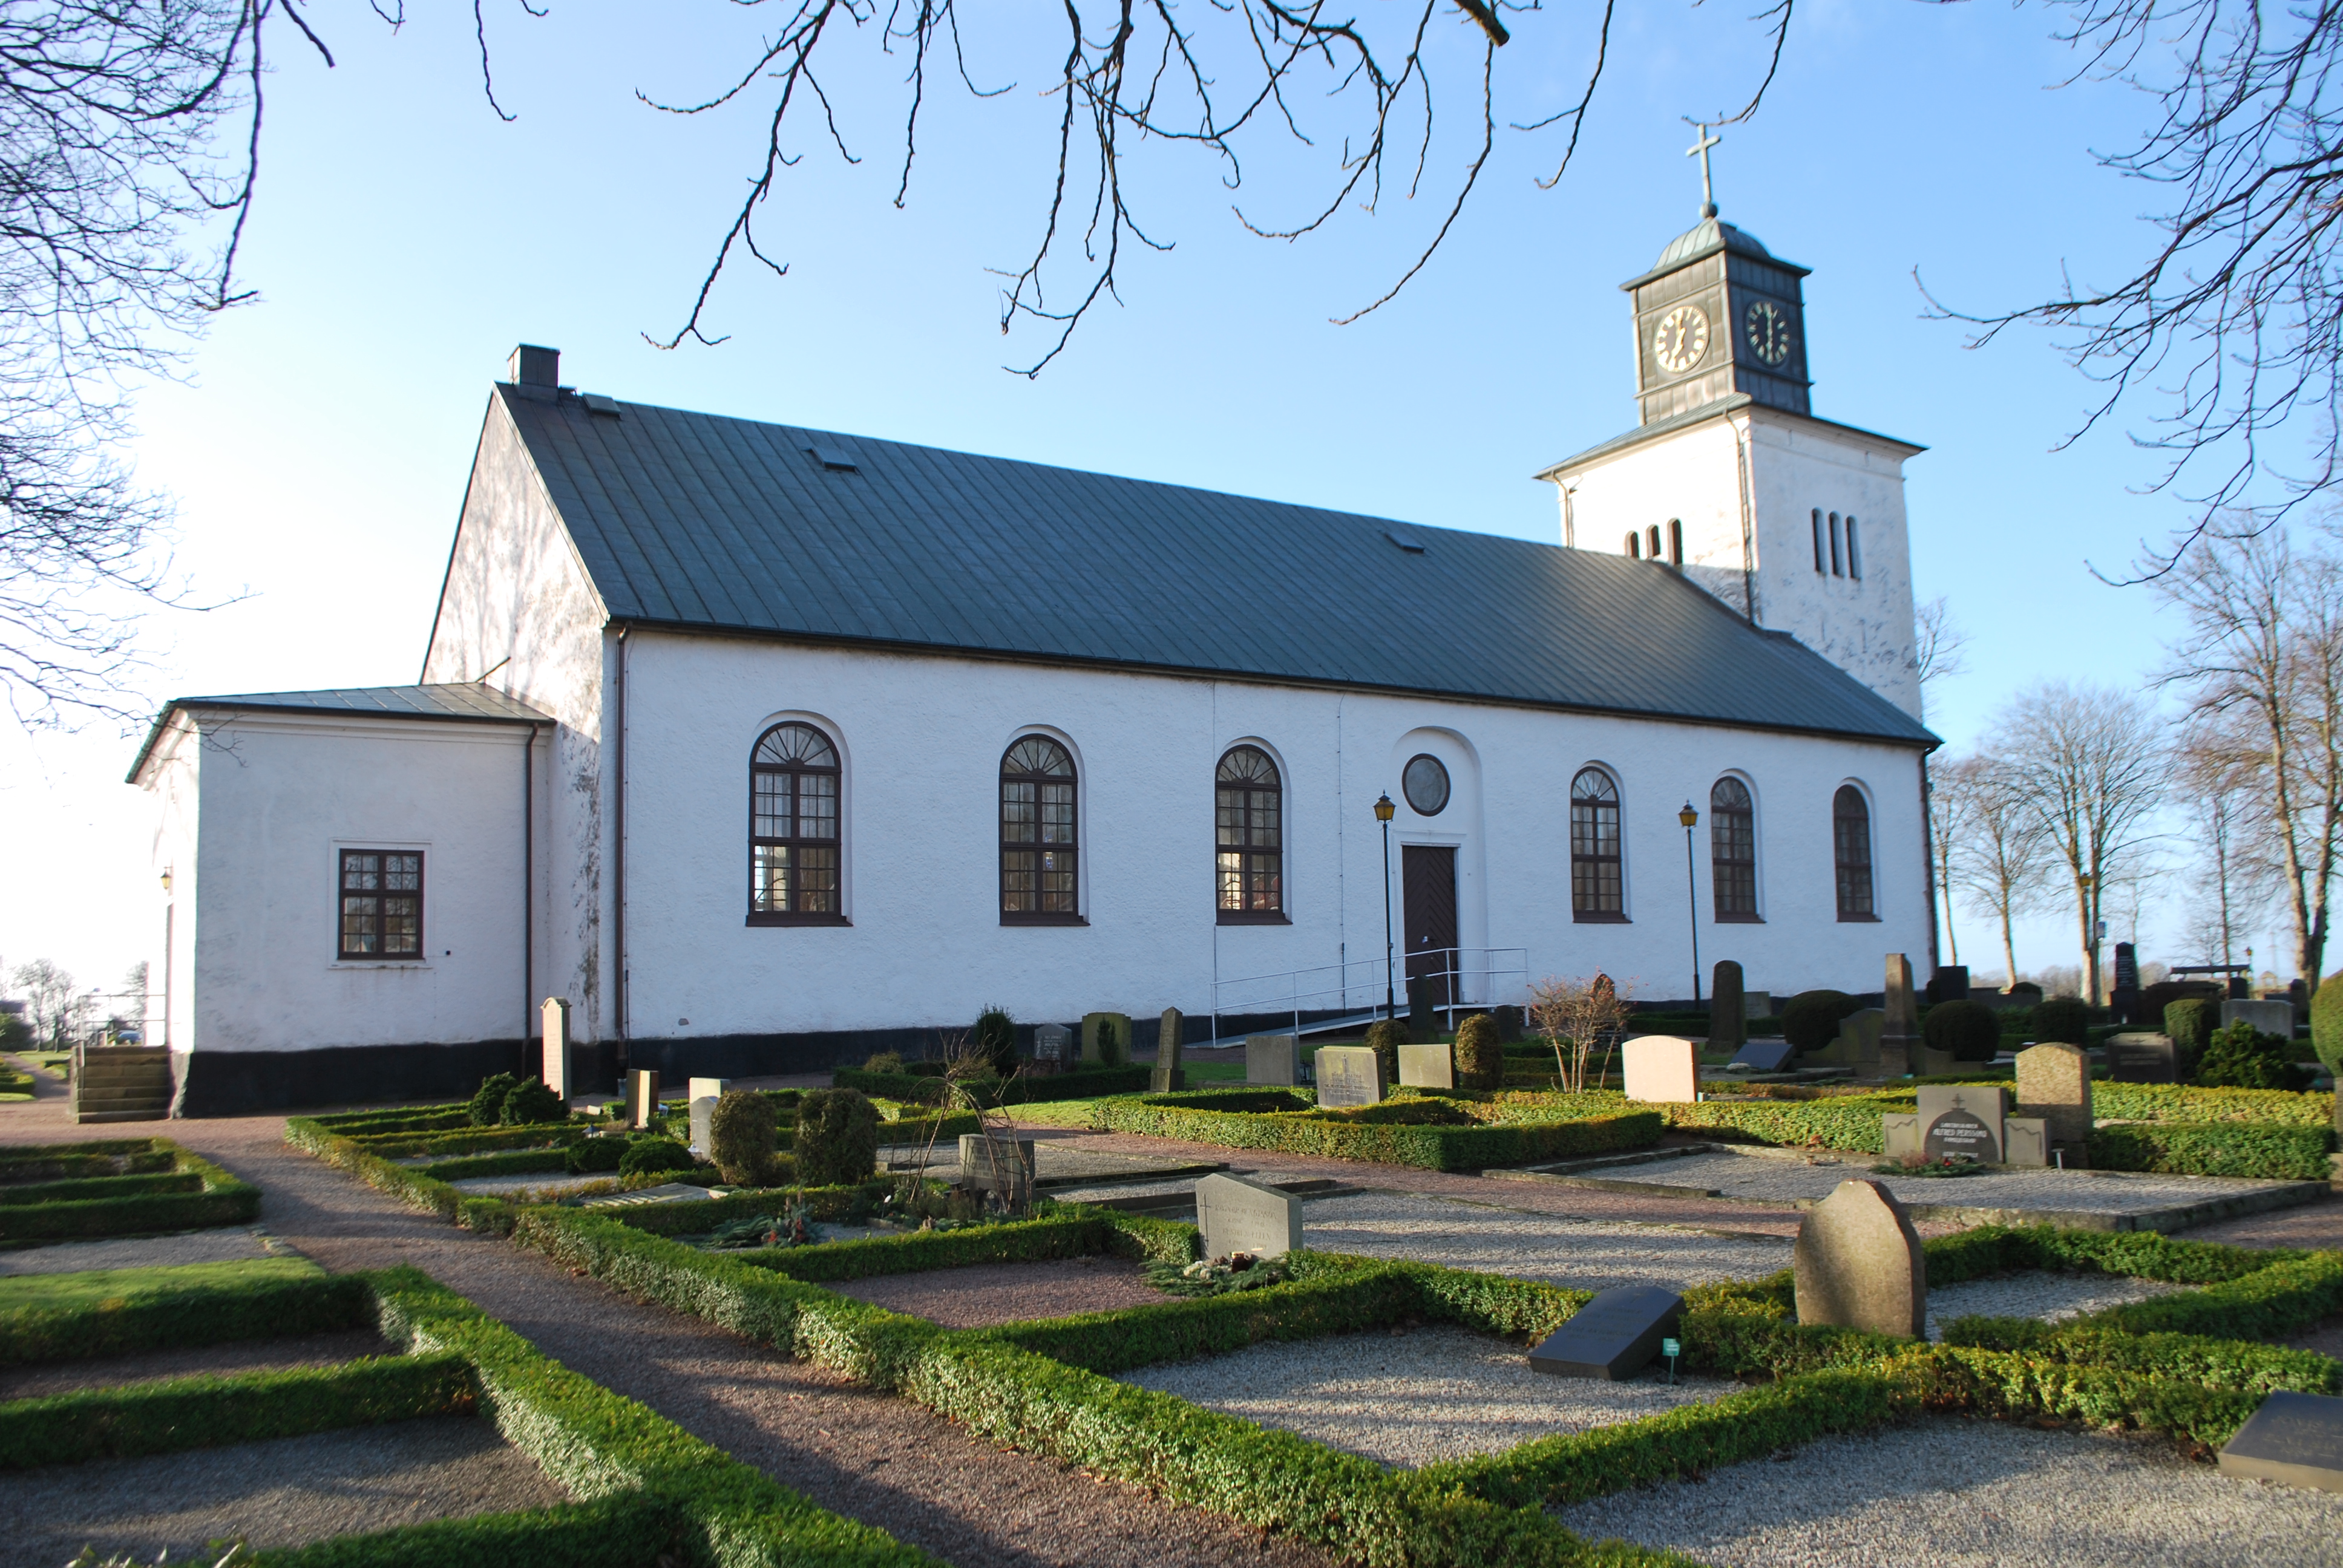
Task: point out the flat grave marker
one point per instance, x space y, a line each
1661 1068
1764 1056
1349 1075
1858 1264
1271 1058
1237 1215
2294 1439
1424 1067
1613 1336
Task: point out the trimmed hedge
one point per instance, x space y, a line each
1336 1136
1088 1083
408 1184
2215 1149
1839 1122
2188 1102
403 1145
510 1162
198 1195
128 1310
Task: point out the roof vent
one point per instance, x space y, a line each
597 404
1404 540
835 460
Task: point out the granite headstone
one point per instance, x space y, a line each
702 1093
1661 1068
2294 1439
1271 1059
1613 1336
993 1165
1169 1032
1419 1067
1961 1119
1237 1215
1348 1075
553 1027
1858 1264
2270 1017
1051 1044
2142 1058
1756 1004
1106 1037
1422 1018
1728 1020
1899 1029
2054 1085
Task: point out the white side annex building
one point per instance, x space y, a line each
768 747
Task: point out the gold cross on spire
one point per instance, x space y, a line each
1699 149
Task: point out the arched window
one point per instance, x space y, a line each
1038 844
1676 541
1853 560
1851 844
1248 801
1634 545
1652 541
1732 851
793 829
1595 885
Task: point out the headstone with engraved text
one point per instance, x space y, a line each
1764 1056
1348 1075
1053 1043
2142 1058
1613 1336
1241 1216
1961 1119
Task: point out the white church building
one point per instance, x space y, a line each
768 747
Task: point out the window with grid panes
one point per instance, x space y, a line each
381 895
793 862
1038 839
1249 804
1733 851
1851 843
1595 891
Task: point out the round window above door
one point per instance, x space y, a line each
1424 782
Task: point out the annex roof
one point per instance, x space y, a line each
469 703
697 521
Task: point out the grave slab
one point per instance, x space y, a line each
1241 1216
1348 1075
1613 1336
1764 1056
2294 1439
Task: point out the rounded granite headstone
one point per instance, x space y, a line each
1728 1022
1858 1264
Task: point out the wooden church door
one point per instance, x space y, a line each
1428 882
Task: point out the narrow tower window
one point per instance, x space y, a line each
1854 561
1652 540
1634 545
1818 541
1837 570
1676 541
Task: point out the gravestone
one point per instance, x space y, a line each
1857 1045
1106 1037
1169 1031
2270 1017
1899 1133
1613 1336
1728 1023
1858 1264
1052 1043
1757 1004
2054 1085
2142 1058
1949 983
703 1094
1660 1068
1764 1056
642 1097
553 1024
992 1164
1509 1024
1350 1075
1422 1019
1419 1067
2123 995
1271 1059
1961 1119
1241 1216
1899 1029
2025 1141
2294 1439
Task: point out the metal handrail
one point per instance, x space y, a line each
1476 977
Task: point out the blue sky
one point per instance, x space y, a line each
406 238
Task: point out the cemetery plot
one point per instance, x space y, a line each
985 1295
2043 1295
225 1245
1433 1131
1414 1398
116 1187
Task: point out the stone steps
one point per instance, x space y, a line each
121 1083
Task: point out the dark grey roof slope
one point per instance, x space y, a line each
694 520
470 704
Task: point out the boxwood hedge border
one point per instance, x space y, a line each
190 1194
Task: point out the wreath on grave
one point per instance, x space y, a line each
1219 1276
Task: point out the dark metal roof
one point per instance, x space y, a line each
469 703
693 520
1708 236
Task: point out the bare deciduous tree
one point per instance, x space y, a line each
56 1011
2002 858
1576 1016
2231 878
1936 645
2089 764
1953 788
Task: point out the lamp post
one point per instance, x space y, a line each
1691 818
1384 811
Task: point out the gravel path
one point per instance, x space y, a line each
283 1494
1587 1255
2317 1225
250 1355
1951 1493
868 1455
1409 1398
224 1246
990 1293
1777 1179
2044 1295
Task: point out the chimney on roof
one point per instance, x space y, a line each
536 372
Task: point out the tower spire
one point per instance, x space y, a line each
1699 149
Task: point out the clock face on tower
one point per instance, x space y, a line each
1681 339
1767 327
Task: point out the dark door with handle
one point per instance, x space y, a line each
1428 882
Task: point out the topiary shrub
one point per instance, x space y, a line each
655 1156
1966 1030
594 1156
837 1137
2326 1023
1810 1020
530 1102
489 1100
741 1136
883 1061
995 1038
2190 1022
2063 1021
2240 1056
1480 1053
1384 1037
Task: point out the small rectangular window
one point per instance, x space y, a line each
1836 570
1854 561
1676 541
380 894
1818 541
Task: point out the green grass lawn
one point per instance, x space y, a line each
20 1293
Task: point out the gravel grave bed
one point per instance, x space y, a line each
2046 1294
286 1493
1953 1492
1774 1177
1417 1396
248 1355
990 1293
540 1181
1586 1254
231 1245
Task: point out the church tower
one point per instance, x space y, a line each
1797 523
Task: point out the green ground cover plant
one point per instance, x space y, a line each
923 1088
2270 1151
118 1311
187 1193
1507 1131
